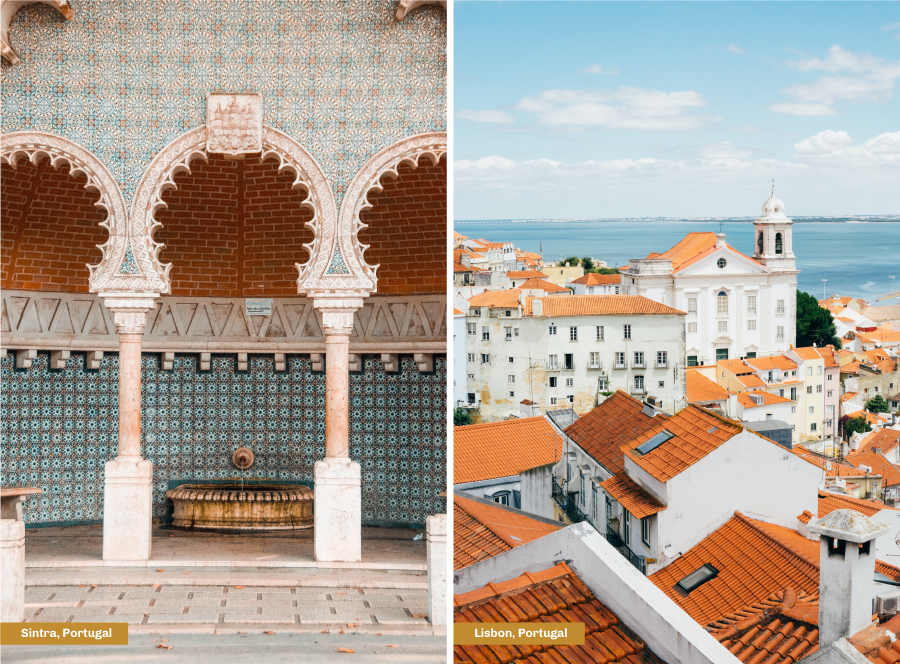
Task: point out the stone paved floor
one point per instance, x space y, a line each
226 605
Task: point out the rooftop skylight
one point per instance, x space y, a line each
698 577
654 442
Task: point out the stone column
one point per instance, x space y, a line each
436 554
12 564
338 496
127 494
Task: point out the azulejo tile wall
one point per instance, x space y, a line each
60 427
125 78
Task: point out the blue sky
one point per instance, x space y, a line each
606 109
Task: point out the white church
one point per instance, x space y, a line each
737 306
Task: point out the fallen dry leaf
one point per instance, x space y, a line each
164 647
160 570
82 586
341 632
391 645
419 615
378 634
238 587
345 650
185 572
352 624
268 632
242 632
324 631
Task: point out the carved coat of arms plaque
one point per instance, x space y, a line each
233 123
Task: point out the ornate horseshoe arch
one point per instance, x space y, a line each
339 265
139 256
35 146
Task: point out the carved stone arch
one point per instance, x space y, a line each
36 146
8 9
176 158
338 264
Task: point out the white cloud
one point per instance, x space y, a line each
837 149
491 163
597 69
734 49
496 117
804 109
825 142
625 108
866 78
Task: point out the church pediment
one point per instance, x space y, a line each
722 262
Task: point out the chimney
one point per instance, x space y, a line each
465 259
846 573
720 240
537 307
877 450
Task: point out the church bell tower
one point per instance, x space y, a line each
772 235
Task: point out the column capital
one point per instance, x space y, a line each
337 313
129 309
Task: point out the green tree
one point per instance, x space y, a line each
571 260
877 404
852 425
815 324
606 270
587 264
461 417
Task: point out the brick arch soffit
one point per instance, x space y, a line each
176 158
339 264
35 146
9 8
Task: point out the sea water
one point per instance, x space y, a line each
857 259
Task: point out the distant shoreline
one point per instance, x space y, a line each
873 219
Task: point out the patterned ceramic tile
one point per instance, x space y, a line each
60 427
125 78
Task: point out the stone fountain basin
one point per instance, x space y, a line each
251 507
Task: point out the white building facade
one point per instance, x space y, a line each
564 351
737 306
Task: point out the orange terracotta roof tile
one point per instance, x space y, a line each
851 367
701 388
808 353
504 299
594 279
459 267
747 400
697 433
806 517
751 380
881 334
502 449
689 247
829 354
886 439
780 629
703 254
832 467
526 274
754 560
457 312
848 395
459 236
544 285
631 496
772 362
555 595
601 305
483 531
890 474
602 432
829 502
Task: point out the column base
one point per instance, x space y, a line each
436 552
12 570
127 509
338 511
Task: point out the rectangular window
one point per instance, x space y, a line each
627 332
692 328
509 313
751 304
571 398
818 371
639 383
485 333
552 401
517 331
476 312
617 290
553 363
662 359
779 307
809 371
551 330
595 360
831 375
812 410
594 501
473 328
582 492
570 382
573 334
508 331
485 358
552 381
723 326
570 361
692 306
722 304
818 389
812 427
809 389
692 361
781 392
830 393
721 354
511 360
662 383
639 359
779 333
510 379
751 355
793 410
512 394
620 360
626 518
591 290
471 376
609 512
645 531
829 410
600 333
471 357
751 324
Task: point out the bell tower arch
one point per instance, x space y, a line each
774 243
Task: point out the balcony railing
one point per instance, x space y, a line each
639 365
638 561
568 503
638 390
